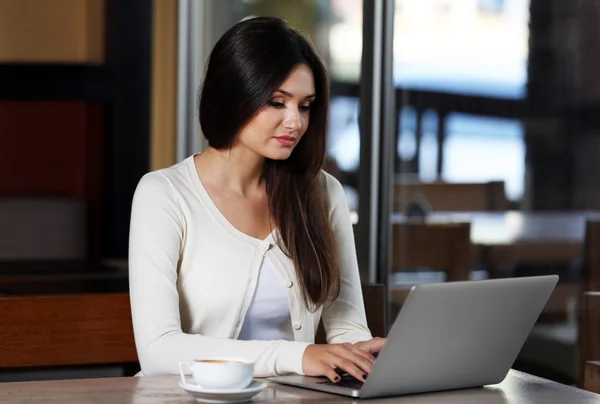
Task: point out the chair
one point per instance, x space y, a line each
439 246
591 268
589 323
43 228
592 377
589 342
64 330
374 298
450 196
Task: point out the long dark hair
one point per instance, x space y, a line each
245 68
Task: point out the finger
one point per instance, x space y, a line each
351 369
357 356
375 345
365 354
331 374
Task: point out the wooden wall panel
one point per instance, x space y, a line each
42 31
163 125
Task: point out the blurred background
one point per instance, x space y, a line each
465 133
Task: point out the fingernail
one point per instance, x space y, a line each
365 376
337 378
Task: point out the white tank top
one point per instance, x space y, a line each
268 316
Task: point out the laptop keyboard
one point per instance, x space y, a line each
347 381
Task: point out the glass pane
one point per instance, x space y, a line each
460 70
475 47
498 131
481 149
462 66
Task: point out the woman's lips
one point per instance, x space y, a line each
286 141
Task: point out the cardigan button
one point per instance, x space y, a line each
289 284
264 245
297 326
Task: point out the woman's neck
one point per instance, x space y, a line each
234 169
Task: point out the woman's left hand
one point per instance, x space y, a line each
372 346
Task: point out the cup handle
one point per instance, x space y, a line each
182 365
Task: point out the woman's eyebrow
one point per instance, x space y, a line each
288 94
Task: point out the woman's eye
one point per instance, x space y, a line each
276 104
304 107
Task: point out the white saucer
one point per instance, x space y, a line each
222 396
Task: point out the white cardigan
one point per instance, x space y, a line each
192 275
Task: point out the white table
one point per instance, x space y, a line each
519 388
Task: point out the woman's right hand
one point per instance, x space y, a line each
325 359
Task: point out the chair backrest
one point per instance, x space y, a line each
591 267
60 330
592 377
42 228
441 246
451 196
589 333
374 298
589 323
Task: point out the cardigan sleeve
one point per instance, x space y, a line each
344 319
155 243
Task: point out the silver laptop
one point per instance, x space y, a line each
449 336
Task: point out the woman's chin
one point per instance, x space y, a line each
281 154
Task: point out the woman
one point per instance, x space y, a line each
241 249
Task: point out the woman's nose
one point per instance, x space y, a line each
292 119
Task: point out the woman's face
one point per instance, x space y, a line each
277 128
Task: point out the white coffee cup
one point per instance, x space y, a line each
219 373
